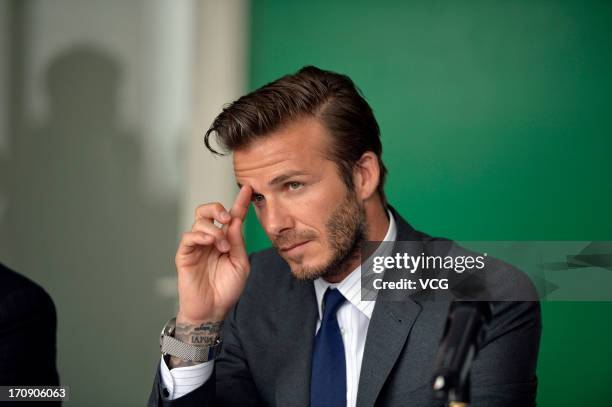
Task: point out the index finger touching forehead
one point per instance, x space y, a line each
242 202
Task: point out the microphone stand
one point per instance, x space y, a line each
462 337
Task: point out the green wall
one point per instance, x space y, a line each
496 125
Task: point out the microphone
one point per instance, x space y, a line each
462 337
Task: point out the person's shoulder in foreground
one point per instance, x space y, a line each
27 332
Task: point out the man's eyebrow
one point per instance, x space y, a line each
278 179
285 177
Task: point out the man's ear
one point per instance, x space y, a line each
366 176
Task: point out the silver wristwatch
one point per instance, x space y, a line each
171 346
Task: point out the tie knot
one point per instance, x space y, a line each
332 300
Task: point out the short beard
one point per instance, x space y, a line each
346 231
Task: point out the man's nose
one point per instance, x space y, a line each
276 217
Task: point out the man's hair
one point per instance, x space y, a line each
311 92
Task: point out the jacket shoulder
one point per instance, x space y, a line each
22 298
268 270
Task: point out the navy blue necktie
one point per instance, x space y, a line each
328 376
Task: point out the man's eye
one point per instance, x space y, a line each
295 185
258 198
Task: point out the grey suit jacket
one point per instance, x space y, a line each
268 338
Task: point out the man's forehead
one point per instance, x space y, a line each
268 168
299 145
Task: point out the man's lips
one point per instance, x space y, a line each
293 246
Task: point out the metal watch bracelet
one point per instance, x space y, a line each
171 346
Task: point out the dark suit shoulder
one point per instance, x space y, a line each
268 271
27 321
502 281
267 258
264 297
12 281
21 298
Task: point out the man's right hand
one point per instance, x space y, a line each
212 263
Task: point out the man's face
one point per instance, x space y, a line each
311 217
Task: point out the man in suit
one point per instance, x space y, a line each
27 333
288 326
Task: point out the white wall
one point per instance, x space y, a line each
102 191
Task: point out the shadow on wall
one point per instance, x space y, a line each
79 223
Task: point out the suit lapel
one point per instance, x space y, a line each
387 333
390 325
296 338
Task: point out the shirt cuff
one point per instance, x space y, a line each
182 380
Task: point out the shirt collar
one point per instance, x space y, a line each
350 287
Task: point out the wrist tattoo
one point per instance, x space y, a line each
198 335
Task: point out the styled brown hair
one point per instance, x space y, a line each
311 92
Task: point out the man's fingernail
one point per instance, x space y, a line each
225 215
224 245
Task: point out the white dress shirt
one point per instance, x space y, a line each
353 318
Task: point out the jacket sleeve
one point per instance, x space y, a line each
231 383
504 371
